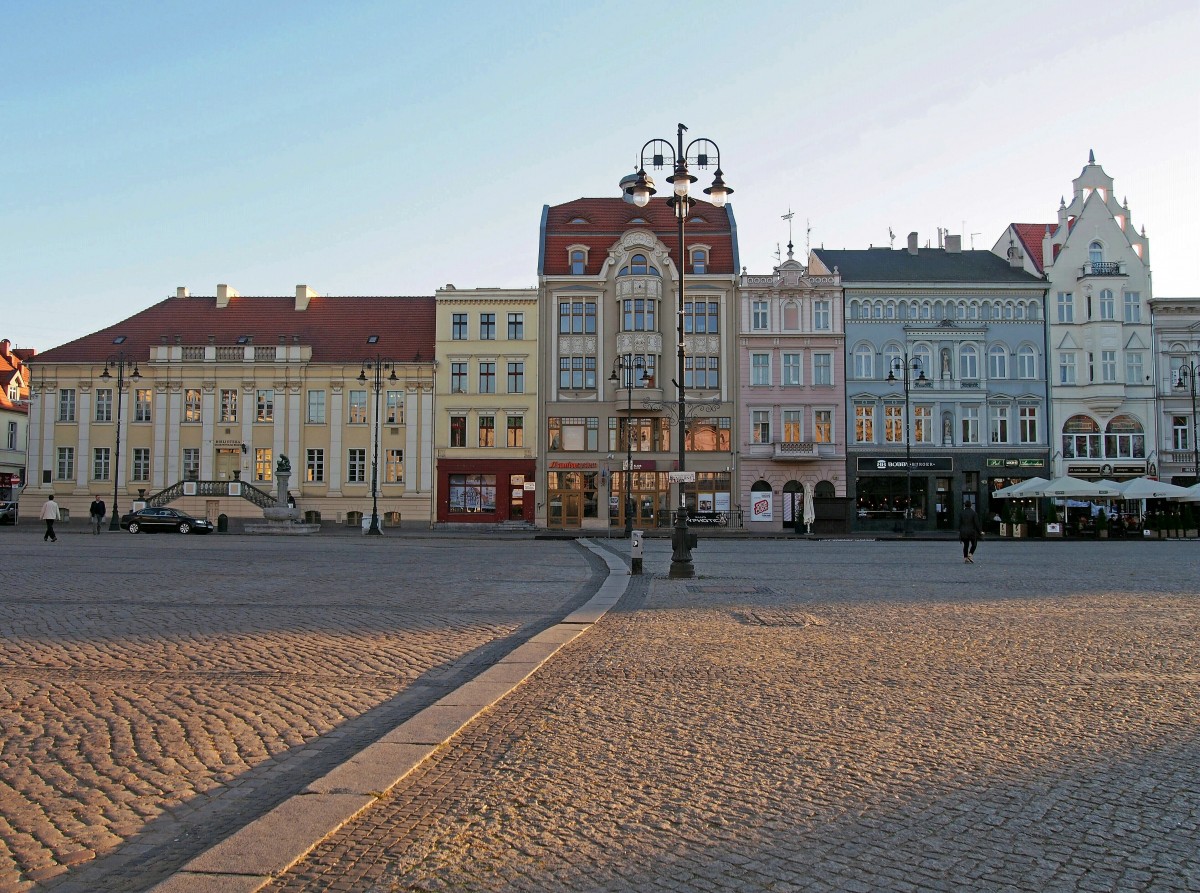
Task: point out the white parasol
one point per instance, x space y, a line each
810 511
1144 488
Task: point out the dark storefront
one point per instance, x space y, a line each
485 491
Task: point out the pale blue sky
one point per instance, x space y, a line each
390 148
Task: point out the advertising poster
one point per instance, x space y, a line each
762 506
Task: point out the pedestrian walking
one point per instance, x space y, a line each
97 511
969 531
50 515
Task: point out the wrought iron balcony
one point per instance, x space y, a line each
1102 268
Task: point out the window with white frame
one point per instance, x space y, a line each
66 405
822 369
1124 438
1133 306
760 368
1066 306
759 316
997 362
893 423
229 402
265 405
393 466
791 369
823 425
968 362
356 466
573 434
141 464
104 405
262 463
793 425
1027 424
1027 366
1181 433
760 426
1108 305
191 463
141 404
393 412
970 424
998 423
316 407
1108 365
314 468
191 405
1081 438
864 423
578 261
1066 367
1135 372
864 362
699 260
1095 253
101 463
66 464
822 316
358 408
922 423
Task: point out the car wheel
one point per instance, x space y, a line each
134 527
185 527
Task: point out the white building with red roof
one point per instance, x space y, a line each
14 417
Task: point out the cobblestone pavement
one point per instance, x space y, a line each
158 692
829 716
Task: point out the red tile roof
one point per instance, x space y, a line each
1031 235
607 218
12 366
337 328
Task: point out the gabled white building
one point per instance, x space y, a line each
1100 351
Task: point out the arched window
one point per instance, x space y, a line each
1108 306
1124 438
893 360
761 501
638 266
997 362
824 490
699 260
864 361
968 362
1096 253
923 357
1081 438
1027 366
793 502
855 310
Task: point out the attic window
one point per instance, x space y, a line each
372 339
120 339
641 220
697 220
243 339
578 220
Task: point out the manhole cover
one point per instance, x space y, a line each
777 618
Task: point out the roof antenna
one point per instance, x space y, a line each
891 238
788 217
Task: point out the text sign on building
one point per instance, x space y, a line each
890 463
1015 463
681 477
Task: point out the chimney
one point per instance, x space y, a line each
1016 257
912 243
224 293
5 346
181 292
953 244
304 294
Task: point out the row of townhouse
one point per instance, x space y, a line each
14 417
871 383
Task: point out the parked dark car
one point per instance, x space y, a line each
8 513
153 519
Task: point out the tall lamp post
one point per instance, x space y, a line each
376 365
908 367
698 152
1189 371
120 362
628 367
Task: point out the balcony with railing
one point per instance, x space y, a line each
801 450
1102 268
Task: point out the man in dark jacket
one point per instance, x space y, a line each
97 511
969 531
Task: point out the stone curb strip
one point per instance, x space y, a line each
250 858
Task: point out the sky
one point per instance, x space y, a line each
390 148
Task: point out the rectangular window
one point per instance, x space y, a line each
1066 368
760 426
759 316
12 435
393 467
66 405
516 431
577 373
791 369
760 369
262 463
793 425
998 423
141 405
702 373
823 426
101 463
316 407
822 369
470 493
356 466
314 469
1108 306
646 435
265 407
1133 306
516 378
394 413
191 405
487 378
191 463
577 318
1108 365
706 435
458 327
487 327
922 424
701 317
1027 424
1066 307
1026 363
104 405
458 378
821 316
893 423
573 434
229 401
1135 372
66 463
970 424
458 430
864 424
358 408
1180 433
141 464
516 327
487 430
638 315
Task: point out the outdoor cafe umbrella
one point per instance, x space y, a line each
1017 490
1190 494
1144 488
810 511
1067 487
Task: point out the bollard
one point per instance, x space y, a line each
635 552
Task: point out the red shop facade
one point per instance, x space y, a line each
485 491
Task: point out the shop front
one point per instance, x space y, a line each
1000 472
479 491
886 488
572 495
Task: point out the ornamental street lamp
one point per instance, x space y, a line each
377 365
1188 371
908 367
699 152
121 363
628 366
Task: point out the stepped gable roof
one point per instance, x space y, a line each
337 328
605 219
927 265
1031 235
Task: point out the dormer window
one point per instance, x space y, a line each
638 266
578 220
699 260
577 257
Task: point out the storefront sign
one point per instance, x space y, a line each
1015 463
762 506
889 463
681 477
575 466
